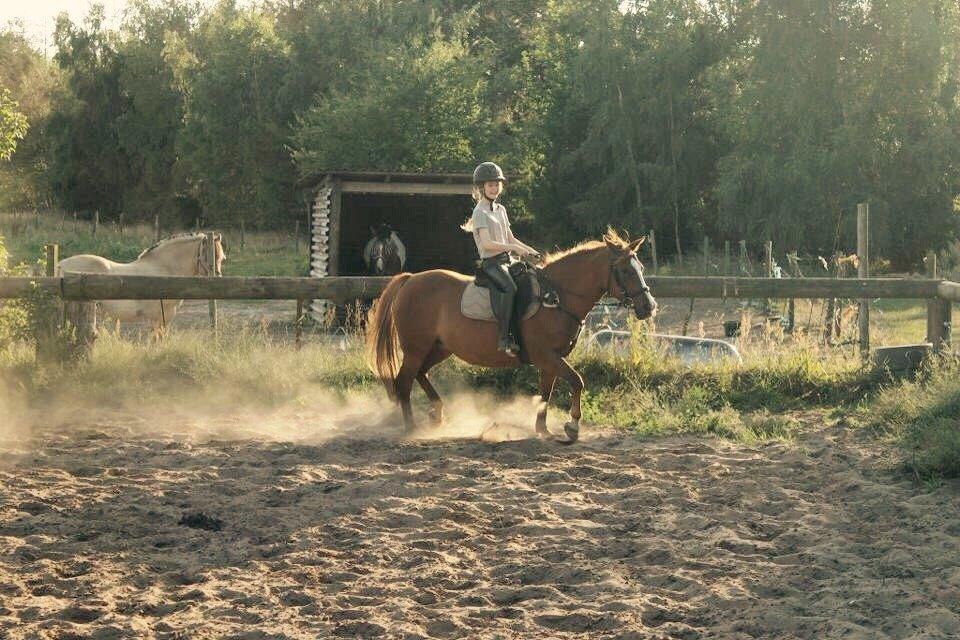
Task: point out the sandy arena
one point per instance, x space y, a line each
114 526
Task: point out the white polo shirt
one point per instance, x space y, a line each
495 222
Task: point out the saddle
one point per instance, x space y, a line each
533 291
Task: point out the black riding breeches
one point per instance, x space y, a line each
502 301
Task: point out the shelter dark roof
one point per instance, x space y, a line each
390 176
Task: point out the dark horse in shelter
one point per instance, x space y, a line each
417 323
384 254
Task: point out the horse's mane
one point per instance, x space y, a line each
174 238
611 236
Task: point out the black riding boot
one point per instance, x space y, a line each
502 301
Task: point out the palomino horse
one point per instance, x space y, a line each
384 254
181 255
419 315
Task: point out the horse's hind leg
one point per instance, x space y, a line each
437 355
404 384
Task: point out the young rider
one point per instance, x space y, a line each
495 244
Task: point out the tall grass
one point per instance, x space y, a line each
923 416
644 390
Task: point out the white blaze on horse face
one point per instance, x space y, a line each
635 263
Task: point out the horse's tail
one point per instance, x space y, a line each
383 344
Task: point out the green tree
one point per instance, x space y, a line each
833 102
630 144
88 167
13 125
150 124
232 148
418 113
29 79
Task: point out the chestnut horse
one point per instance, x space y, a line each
416 324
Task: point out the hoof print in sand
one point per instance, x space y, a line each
201 520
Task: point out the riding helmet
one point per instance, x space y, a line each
487 171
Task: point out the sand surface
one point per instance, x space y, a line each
335 527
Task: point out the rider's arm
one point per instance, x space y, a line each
489 245
524 248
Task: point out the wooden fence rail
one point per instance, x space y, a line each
345 288
80 289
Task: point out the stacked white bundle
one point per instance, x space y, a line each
319 251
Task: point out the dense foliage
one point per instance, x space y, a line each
737 119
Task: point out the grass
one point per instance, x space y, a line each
247 366
923 417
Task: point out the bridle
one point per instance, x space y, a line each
382 250
627 299
613 275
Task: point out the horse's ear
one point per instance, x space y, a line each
636 244
614 247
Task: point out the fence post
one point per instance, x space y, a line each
653 251
938 323
863 271
96 222
743 259
726 258
931 264
156 228
299 324
120 224
243 234
296 235
793 260
52 252
82 316
211 259
45 336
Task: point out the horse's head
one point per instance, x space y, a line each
626 282
382 231
383 257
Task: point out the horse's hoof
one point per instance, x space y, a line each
572 429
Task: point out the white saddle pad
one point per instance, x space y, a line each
475 303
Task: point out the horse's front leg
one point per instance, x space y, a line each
547 380
572 428
552 366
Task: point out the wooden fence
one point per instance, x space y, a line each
345 288
80 288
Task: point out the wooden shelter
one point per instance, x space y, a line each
425 209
